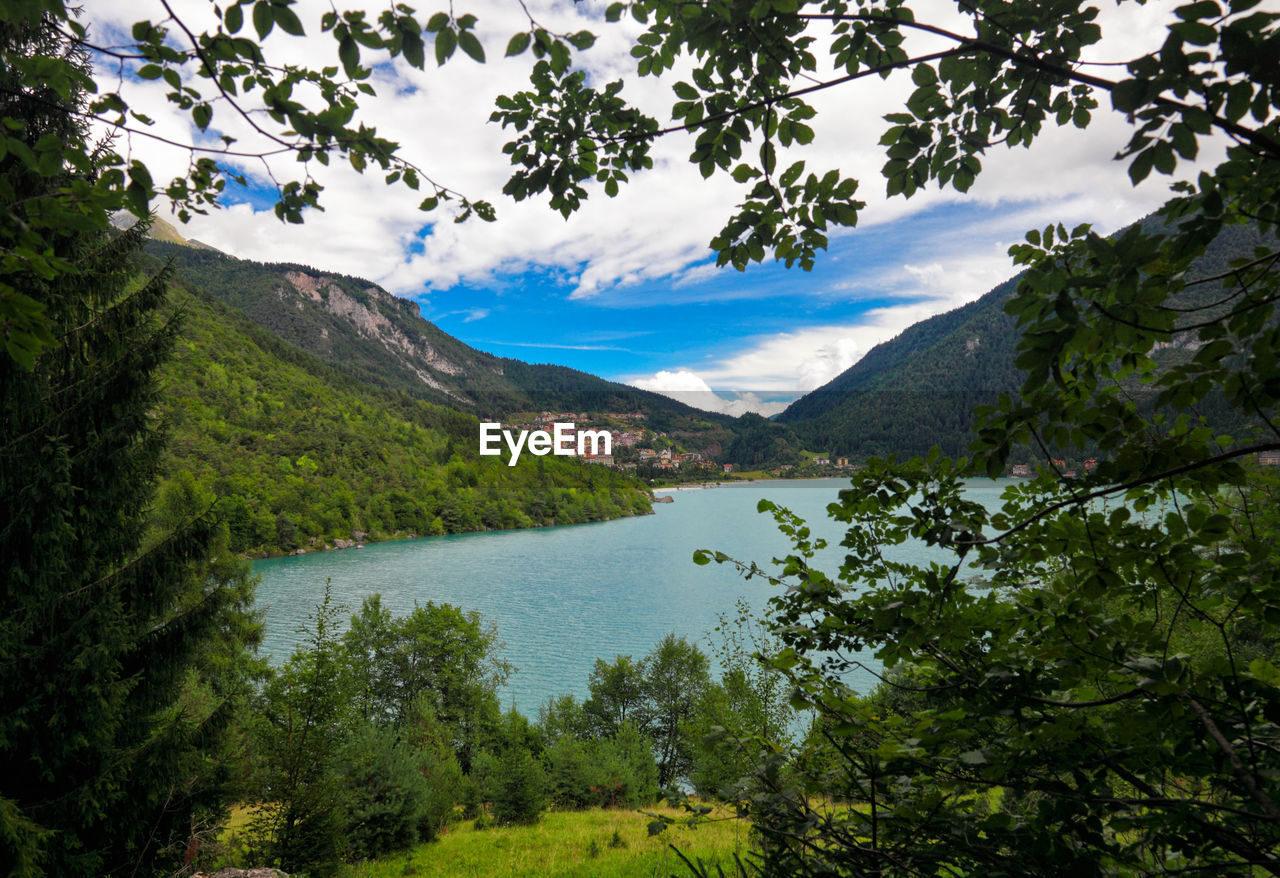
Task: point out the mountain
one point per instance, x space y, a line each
362 330
294 454
919 389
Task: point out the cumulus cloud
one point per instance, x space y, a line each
658 227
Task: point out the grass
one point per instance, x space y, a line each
240 817
564 845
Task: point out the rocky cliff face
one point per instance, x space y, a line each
367 315
368 334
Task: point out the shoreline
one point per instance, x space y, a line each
693 486
655 492
326 548
697 486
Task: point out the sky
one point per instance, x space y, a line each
627 288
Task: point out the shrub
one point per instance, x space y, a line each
386 795
519 788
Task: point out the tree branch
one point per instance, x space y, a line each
1133 483
1257 138
1242 774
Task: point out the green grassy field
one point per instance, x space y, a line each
564 845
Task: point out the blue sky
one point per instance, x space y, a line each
625 288
637 330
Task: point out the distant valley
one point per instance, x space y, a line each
316 409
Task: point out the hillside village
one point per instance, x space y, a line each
632 444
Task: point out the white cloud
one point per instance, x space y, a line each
686 387
658 226
803 359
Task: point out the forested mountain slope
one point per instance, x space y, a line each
295 454
360 329
919 389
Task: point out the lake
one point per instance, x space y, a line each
562 597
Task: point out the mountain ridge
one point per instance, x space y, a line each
361 329
919 388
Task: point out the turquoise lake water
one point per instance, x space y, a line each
563 597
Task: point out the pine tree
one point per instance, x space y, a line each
117 658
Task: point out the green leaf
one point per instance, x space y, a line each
1265 672
1141 166
234 19
923 75
768 157
685 91
1128 95
1203 9
414 51
349 55
288 20
446 42
263 18
468 43
1196 32
518 44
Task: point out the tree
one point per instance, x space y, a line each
1107 702
439 653
676 679
348 770
520 792
743 717
1017 66
1131 757
616 696
304 725
508 773
308 114
390 800
995 81
121 653
562 716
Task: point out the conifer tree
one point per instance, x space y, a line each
117 657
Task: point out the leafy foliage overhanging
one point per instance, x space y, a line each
1085 680
995 79
122 655
1073 729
